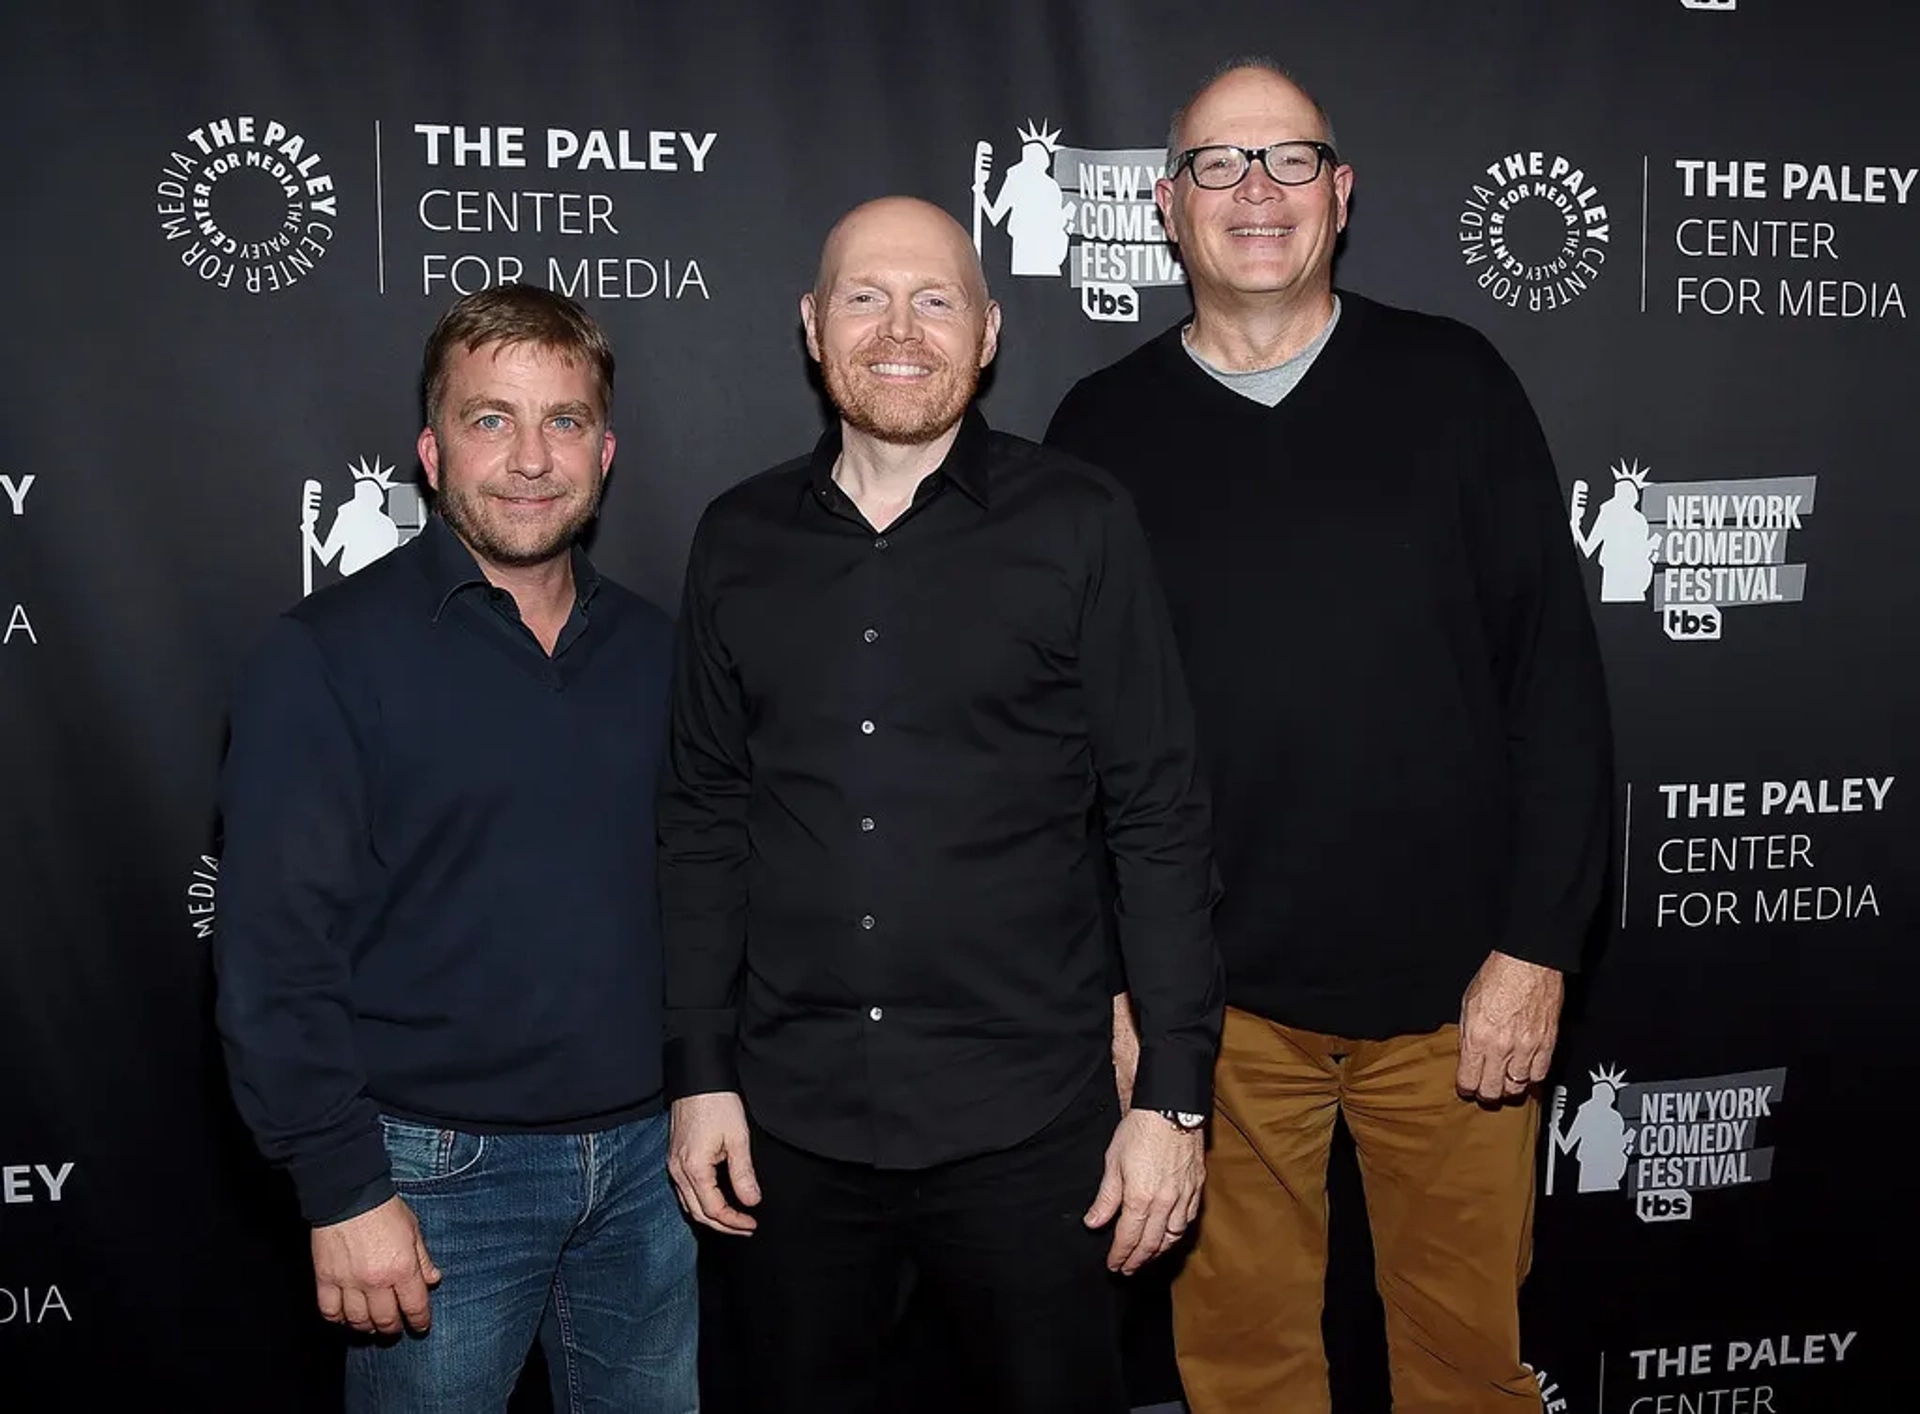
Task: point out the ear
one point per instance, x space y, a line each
606 451
809 311
428 447
1342 190
1163 198
990 340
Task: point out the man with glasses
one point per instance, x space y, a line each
1360 531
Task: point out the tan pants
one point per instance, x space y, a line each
1449 1187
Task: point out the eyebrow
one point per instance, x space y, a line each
482 401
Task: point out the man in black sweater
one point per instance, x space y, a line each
439 954
1401 708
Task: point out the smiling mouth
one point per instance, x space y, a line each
1260 232
899 370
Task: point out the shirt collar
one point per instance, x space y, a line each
965 464
451 568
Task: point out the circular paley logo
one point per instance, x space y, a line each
245 203
1534 231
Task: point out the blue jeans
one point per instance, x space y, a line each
572 1239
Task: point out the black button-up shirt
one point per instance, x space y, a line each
879 871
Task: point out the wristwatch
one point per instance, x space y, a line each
1180 1119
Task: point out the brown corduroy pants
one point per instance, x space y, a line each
1449 1188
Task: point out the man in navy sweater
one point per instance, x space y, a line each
1400 704
439 955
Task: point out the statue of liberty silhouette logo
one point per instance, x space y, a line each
1625 542
1030 201
1598 1138
376 519
1082 214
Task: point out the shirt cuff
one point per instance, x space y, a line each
1175 1078
700 1065
365 1201
344 1181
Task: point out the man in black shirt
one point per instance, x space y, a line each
439 953
911 664
1400 700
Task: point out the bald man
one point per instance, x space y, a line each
911 664
1400 699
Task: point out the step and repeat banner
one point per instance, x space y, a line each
1693 226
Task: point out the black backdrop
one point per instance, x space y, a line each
1692 226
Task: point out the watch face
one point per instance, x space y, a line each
1189 1121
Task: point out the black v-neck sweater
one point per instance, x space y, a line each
1394 668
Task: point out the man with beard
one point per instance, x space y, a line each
1400 699
911 664
439 954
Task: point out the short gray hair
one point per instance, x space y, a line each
1244 61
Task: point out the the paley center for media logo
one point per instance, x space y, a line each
1694 549
1534 230
1087 213
245 203
1663 1141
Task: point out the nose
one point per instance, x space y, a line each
531 454
902 320
1257 185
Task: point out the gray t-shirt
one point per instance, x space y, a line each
1270 385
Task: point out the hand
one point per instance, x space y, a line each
1126 1050
709 1130
372 1271
1154 1175
1509 1020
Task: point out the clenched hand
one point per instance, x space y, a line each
1509 1020
372 1272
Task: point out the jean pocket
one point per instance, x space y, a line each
420 1154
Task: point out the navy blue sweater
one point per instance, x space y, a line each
437 890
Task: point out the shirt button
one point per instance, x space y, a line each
867 921
866 728
875 1014
871 634
866 822
881 543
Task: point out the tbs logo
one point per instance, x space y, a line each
1119 304
1669 1205
1684 624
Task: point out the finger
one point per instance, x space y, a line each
746 1187
1154 1230
1542 1060
682 1189
415 1308
1472 1066
327 1295
1106 1202
1190 1210
713 1204
383 1310
1493 1083
429 1272
354 1304
1127 1235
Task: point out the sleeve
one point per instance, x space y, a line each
1158 816
293 804
703 846
1067 432
1554 697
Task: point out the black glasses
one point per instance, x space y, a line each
1291 164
